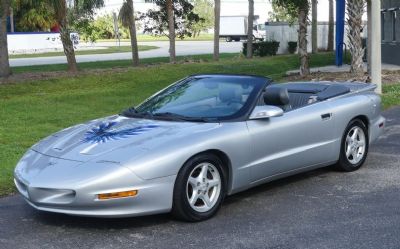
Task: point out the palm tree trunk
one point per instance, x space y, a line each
331 28
132 31
5 70
355 11
304 59
314 31
250 30
217 15
171 28
66 38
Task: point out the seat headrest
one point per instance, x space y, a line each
228 94
276 96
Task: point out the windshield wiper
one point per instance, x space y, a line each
174 116
133 113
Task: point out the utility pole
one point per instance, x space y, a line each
116 29
376 56
11 20
369 35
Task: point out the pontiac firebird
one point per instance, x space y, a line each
200 139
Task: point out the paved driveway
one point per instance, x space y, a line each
183 48
319 209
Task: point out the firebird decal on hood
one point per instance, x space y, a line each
102 133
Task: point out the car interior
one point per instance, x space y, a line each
291 96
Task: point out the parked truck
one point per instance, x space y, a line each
234 28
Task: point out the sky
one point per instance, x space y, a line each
228 8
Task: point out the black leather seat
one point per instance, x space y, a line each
278 97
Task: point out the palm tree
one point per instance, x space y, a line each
127 17
217 16
171 28
60 13
64 14
331 27
314 28
250 30
355 11
299 8
5 70
303 23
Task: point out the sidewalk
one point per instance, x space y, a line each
344 68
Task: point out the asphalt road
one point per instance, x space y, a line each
319 209
182 48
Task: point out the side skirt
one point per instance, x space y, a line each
280 176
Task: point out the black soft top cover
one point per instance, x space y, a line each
322 91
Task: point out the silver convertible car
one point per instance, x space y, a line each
200 139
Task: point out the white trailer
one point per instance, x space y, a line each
234 28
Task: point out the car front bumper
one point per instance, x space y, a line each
153 196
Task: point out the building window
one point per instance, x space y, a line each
394 18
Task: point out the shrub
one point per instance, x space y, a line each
264 48
292 47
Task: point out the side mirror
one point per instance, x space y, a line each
266 111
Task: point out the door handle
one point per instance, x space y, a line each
326 116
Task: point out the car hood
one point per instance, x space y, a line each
96 138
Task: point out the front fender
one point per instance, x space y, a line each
168 156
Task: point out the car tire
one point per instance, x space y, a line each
190 184
354 146
228 39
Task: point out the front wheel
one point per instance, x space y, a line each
199 188
354 146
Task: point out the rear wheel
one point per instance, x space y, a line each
199 188
354 146
228 39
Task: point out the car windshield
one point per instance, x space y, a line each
200 98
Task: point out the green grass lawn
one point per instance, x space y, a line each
108 50
116 63
147 38
32 110
391 95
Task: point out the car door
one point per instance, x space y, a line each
300 138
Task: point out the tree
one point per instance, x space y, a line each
33 16
127 18
61 9
314 28
205 10
5 70
172 19
355 11
101 28
250 23
171 31
331 27
280 14
299 8
217 16
77 11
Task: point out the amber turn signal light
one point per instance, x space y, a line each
117 195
